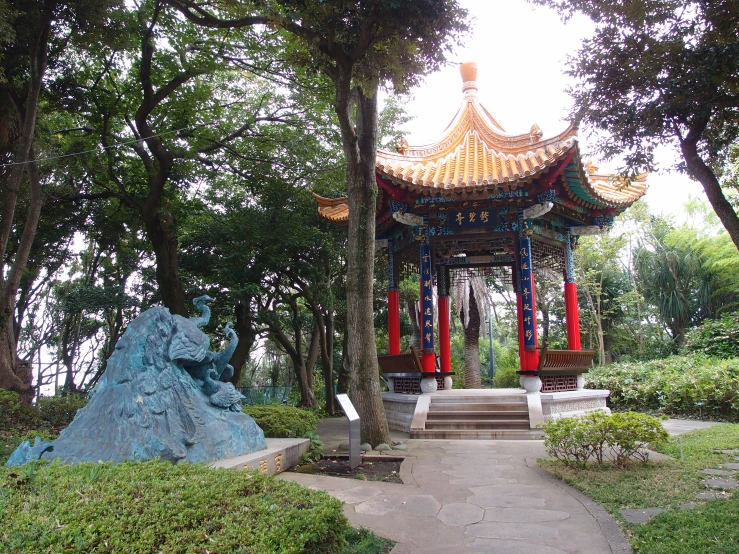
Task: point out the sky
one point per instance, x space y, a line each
521 52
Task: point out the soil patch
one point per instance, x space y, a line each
387 471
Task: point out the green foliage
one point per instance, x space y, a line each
364 541
599 437
674 385
719 337
315 450
279 421
15 415
158 507
60 410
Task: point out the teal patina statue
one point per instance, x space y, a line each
163 395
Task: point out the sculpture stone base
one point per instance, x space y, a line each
429 384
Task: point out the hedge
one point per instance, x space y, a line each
158 507
278 421
689 385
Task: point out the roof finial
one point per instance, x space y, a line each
469 78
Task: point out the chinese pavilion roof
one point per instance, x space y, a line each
476 155
335 210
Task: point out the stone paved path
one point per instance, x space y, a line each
475 497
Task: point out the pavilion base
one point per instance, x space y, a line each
399 410
280 455
555 405
486 414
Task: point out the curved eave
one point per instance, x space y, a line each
473 166
336 210
596 191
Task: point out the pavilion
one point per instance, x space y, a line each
482 201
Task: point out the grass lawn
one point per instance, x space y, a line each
711 527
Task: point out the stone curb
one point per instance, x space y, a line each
611 529
406 471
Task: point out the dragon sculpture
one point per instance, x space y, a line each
163 395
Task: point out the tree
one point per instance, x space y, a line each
40 30
472 303
360 46
662 72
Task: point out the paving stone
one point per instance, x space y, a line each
480 481
733 467
720 472
503 546
728 452
420 505
525 531
687 505
721 483
513 515
493 500
355 495
461 471
711 495
640 516
459 513
378 506
506 490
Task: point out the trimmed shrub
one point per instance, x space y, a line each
679 385
158 507
60 410
600 437
716 337
278 421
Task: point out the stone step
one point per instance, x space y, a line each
478 434
477 414
478 424
459 399
477 406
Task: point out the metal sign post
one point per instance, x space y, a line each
351 414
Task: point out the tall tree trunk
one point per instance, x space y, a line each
247 335
342 379
361 149
472 378
699 170
162 233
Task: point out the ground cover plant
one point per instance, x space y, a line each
689 385
711 527
155 506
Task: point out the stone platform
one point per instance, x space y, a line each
511 414
280 455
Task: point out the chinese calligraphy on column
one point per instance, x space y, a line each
527 293
427 298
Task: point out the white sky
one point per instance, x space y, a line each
521 52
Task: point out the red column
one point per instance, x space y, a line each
444 341
393 321
572 316
572 313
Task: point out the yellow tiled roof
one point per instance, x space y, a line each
333 209
475 153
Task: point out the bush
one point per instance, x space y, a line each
16 416
597 436
716 337
158 507
673 385
60 410
278 421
